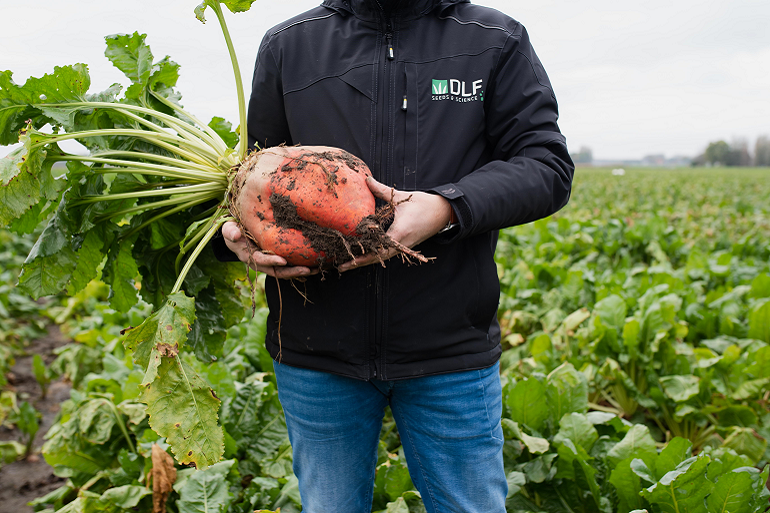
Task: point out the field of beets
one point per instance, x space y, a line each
636 369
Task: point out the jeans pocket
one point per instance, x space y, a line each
493 399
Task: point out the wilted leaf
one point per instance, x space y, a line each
163 478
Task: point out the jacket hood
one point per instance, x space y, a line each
372 9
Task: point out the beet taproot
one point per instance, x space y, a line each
311 205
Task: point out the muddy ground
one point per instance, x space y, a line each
24 480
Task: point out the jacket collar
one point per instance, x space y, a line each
373 9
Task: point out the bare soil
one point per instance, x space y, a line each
28 479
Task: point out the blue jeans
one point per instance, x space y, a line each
449 426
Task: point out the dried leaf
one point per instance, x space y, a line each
163 478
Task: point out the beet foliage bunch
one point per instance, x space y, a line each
137 211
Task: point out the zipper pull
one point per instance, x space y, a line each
389 39
403 105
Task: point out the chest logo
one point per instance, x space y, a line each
457 90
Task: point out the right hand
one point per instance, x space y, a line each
272 265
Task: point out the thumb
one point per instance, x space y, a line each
380 190
231 231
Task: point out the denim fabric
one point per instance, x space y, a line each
449 426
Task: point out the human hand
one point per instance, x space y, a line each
418 217
272 265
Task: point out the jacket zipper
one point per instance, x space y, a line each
380 274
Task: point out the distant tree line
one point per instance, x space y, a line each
720 153
584 156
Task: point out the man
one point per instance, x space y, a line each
448 104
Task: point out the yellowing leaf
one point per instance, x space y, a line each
184 409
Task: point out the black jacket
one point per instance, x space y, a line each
441 96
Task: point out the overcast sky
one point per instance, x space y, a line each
632 78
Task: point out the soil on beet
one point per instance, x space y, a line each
31 478
338 248
370 236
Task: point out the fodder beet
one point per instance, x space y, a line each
310 205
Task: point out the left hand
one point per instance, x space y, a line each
418 217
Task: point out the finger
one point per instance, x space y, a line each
368 259
231 231
286 273
380 190
267 260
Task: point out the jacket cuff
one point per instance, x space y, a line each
462 212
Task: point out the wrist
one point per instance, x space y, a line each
452 222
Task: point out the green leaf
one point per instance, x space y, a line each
120 272
612 311
65 84
725 460
48 275
680 388
89 256
676 451
516 481
10 451
760 286
527 403
631 332
125 497
682 490
206 491
732 494
27 421
751 388
184 409
39 370
233 5
164 232
69 453
208 334
746 441
95 421
566 391
19 188
14 109
581 470
180 404
576 427
224 129
227 278
759 321
398 506
636 444
540 469
760 363
131 55
392 479
535 445
167 329
257 424
220 377
627 485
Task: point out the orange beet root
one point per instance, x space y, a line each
310 205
